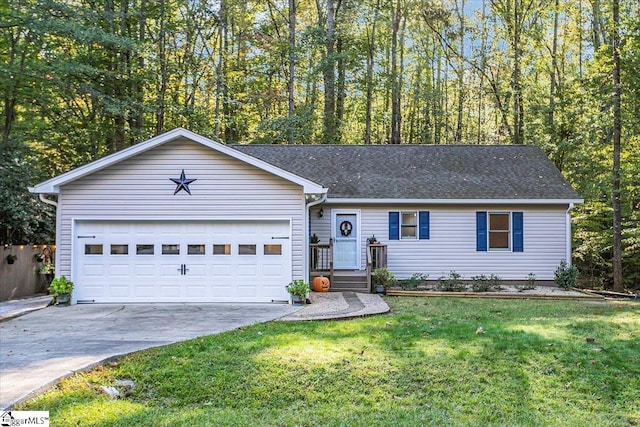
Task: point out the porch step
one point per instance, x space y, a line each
355 281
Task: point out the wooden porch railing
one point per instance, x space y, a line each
376 258
321 258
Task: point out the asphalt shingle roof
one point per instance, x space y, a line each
421 171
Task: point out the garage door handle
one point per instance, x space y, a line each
280 238
183 269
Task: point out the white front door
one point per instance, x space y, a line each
346 240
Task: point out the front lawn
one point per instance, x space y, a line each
427 363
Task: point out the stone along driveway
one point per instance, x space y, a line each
40 348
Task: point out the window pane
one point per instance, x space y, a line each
144 249
195 249
409 218
222 249
498 240
409 231
273 249
170 249
247 249
499 222
119 249
93 249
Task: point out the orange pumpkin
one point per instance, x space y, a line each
321 284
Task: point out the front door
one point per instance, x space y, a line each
346 241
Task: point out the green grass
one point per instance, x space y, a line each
424 364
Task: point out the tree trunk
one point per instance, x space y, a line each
395 80
554 66
292 68
371 38
618 284
330 125
162 58
222 36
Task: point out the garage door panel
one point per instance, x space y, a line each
216 266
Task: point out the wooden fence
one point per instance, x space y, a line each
23 277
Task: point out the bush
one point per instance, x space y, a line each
413 282
483 283
451 283
60 286
530 282
299 288
566 276
383 277
480 283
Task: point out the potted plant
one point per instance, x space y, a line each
61 289
11 258
298 290
372 240
46 268
382 279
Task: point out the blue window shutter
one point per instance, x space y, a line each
481 231
394 225
423 220
518 231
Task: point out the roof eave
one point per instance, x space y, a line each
339 200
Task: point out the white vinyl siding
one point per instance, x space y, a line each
140 188
452 243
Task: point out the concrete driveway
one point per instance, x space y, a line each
40 348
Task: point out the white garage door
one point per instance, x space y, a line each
196 261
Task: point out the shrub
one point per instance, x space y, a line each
480 283
451 283
529 283
299 288
413 282
60 286
566 276
383 277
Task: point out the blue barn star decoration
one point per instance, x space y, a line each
182 183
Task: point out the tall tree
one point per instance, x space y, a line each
618 283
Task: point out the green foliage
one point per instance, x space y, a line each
414 281
84 79
480 283
383 277
529 283
298 287
423 365
566 276
451 283
60 286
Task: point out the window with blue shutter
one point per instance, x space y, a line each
423 220
517 222
394 225
409 225
481 231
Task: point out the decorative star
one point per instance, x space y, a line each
183 183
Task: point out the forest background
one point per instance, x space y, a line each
82 79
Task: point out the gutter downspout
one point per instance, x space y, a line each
48 201
307 221
568 234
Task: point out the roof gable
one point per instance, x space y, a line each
52 186
445 173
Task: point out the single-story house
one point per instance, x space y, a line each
182 218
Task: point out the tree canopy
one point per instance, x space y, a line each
86 78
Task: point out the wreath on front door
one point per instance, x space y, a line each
345 228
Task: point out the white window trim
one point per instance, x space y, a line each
509 232
417 226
